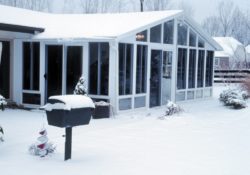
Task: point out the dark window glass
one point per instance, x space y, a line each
191 70
181 70
155 34
32 99
54 70
125 69
168 32
141 69
74 67
31 65
201 43
99 68
192 39
200 73
209 68
142 36
182 34
5 70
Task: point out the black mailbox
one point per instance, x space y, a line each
67 111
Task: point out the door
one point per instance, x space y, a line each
5 70
166 76
155 78
53 76
74 67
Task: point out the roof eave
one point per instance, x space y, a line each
20 28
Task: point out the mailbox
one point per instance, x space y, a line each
67 111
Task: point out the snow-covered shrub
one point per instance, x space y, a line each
1 134
42 147
234 98
172 108
2 102
81 87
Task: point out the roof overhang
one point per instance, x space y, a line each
20 28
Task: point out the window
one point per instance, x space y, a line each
201 43
141 69
99 68
192 38
142 36
155 34
5 70
167 64
182 34
209 68
168 32
200 73
31 65
125 69
181 70
74 67
191 70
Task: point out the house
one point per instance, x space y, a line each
132 60
233 55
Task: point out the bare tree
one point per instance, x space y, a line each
89 6
212 25
156 5
187 8
39 5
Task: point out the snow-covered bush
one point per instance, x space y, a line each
234 98
42 147
2 102
1 134
172 108
81 87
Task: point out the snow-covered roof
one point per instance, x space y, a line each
229 45
82 25
248 49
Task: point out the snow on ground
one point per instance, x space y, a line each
206 139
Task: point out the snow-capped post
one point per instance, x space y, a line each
67 111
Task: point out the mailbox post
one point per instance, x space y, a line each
67 111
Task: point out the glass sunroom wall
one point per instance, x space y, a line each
196 71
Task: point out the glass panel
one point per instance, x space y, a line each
5 70
93 68
104 65
155 78
31 99
199 93
74 67
141 69
125 69
166 77
142 36
201 43
54 70
192 38
180 96
155 34
190 95
191 70
182 34
209 68
181 70
168 32
99 68
207 92
140 102
200 73
125 104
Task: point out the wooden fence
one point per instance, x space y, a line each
230 76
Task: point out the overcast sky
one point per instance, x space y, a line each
202 8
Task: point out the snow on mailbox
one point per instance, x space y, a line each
67 111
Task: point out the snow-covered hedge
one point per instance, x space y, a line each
234 98
172 108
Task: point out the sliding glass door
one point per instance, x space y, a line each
5 70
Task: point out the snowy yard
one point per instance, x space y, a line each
207 139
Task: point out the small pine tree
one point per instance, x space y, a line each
2 102
81 87
42 148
